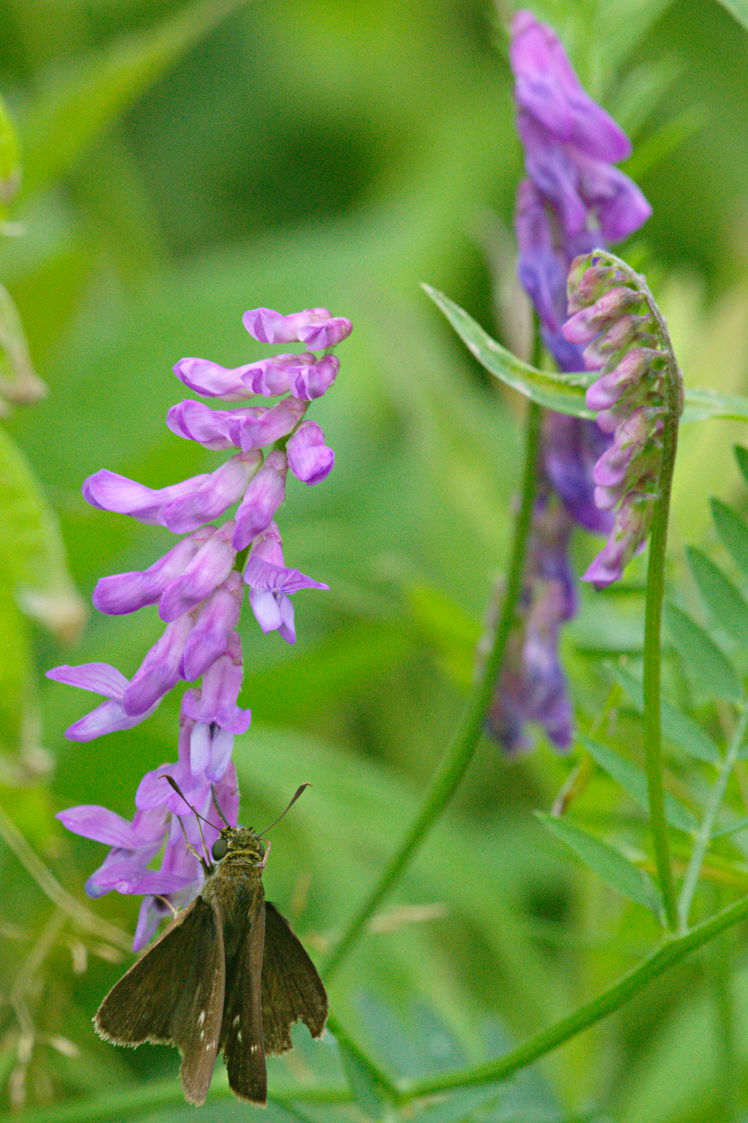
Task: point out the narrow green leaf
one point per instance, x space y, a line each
634 783
10 167
702 404
362 1083
704 661
676 726
18 380
563 393
741 455
738 9
32 556
609 864
92 93
732 531
723 600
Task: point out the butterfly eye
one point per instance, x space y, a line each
219 849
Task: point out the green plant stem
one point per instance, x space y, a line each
460 751
652 654
651 712
376 1075
704 836
670 952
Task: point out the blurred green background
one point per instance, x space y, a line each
182 163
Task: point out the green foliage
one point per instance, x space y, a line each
709 667
609 864
183 162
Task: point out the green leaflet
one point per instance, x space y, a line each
704 661
32 556
741 455
609 864
676 726
732 531
634 783
738 9
725 602
10 167
564 392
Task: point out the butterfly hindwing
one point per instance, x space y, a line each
291 988
242 1033
174 994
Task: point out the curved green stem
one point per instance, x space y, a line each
377 1080
704 836
460 751
652 659
669 953
652 718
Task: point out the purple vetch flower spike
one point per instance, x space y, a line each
100 678
261 500
271 585
309 458
200 591
636 357
315 327
572 199
570 141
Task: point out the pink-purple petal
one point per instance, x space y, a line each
100 824
101 678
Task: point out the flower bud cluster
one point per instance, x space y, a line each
612 320
198 588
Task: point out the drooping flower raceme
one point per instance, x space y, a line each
572 200
199 586
613 317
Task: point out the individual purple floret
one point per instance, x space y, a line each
612 319
572 200
198 586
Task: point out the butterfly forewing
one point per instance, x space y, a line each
292 990
242 1030
174 995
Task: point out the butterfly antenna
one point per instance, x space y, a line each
217 806
294 797
206 865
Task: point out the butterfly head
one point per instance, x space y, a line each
238 842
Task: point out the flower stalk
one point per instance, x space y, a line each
460 751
